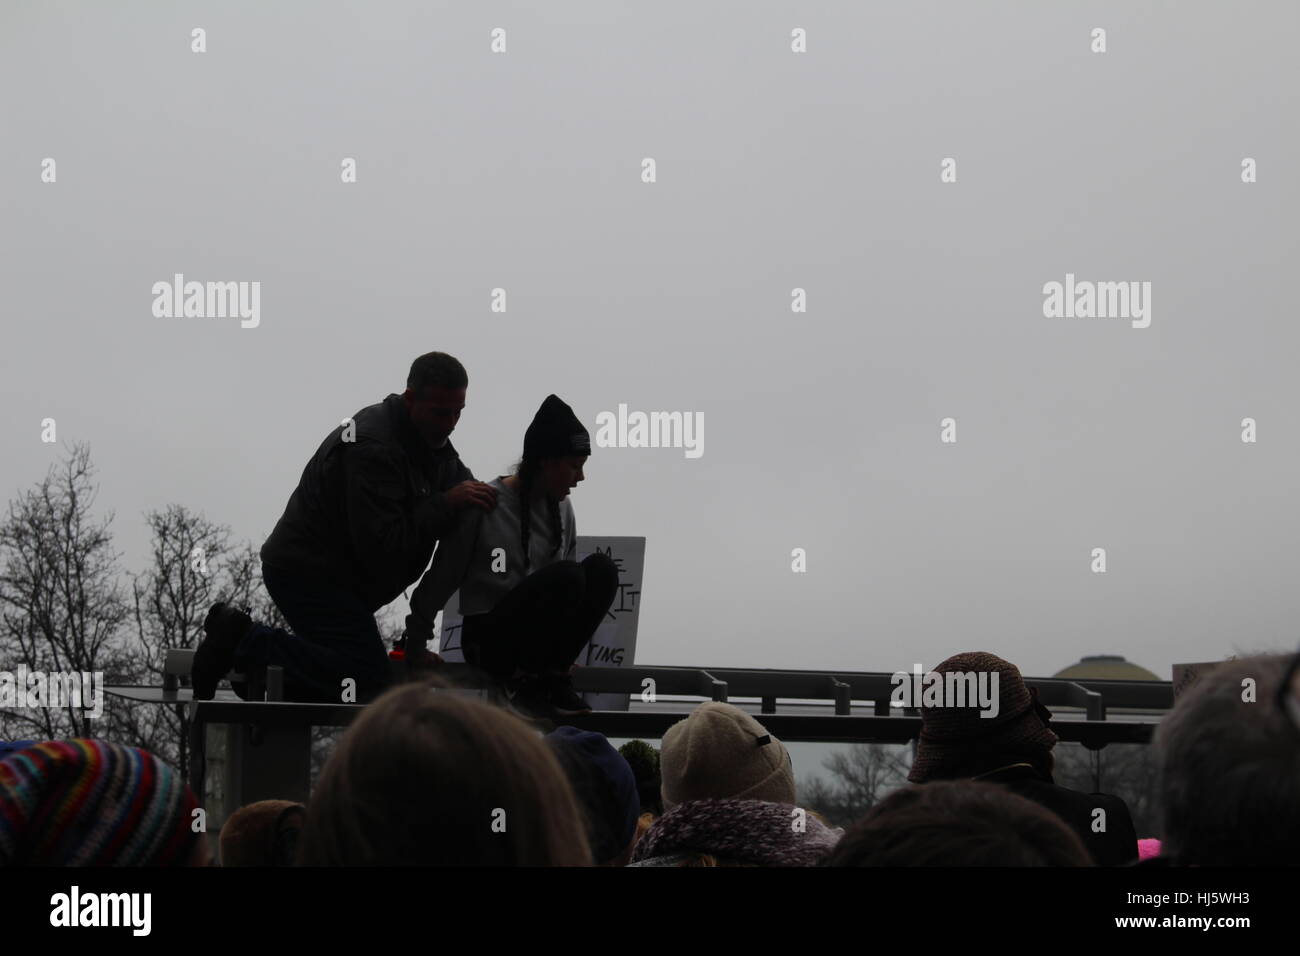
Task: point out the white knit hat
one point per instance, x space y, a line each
720 751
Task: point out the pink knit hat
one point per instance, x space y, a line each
1148 849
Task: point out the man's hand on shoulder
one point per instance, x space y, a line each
475 494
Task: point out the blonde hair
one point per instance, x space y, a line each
424 777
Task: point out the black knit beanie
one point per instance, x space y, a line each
556 432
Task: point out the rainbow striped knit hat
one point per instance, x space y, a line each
93 803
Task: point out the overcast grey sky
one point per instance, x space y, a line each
775 170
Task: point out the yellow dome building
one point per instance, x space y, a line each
1105 667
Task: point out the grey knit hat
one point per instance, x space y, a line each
721 752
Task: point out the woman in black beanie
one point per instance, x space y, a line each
529 608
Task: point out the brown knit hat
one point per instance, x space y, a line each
720 751
957 741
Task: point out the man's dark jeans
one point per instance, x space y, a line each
334 638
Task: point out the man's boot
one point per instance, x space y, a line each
224 627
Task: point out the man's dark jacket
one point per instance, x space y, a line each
367 513
1115 847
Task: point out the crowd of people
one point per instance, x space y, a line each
428 775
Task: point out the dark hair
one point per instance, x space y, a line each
958 823
1230 771
527 469
424 777
436 370
644 761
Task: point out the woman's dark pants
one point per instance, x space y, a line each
541 626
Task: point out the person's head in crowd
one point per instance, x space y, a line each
734 833
958 742
431 778
721 752
93 803
1229 761
262 834
605 788
958 823
644 761
435 395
